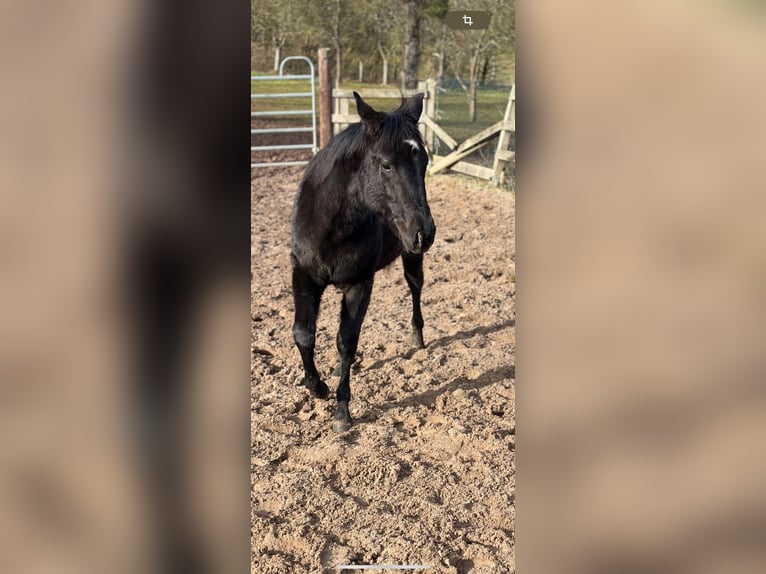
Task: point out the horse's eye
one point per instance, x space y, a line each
386 167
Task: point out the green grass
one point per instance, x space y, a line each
285 86
452 105
380 104
276 87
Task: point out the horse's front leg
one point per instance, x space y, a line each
413 273
307 295
353 309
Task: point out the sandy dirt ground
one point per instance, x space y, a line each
426 474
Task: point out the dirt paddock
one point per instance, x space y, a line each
426 474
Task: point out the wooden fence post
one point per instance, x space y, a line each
423 128
325 99
344 109
335 111
431 112
502 155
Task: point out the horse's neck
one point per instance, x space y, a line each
344 208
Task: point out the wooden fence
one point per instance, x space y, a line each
502 130
343 101
335 115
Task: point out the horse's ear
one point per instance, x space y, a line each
412 107
370 118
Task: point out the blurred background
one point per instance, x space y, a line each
124 289
641 267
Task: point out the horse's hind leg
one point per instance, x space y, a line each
353 309
413 273
307 295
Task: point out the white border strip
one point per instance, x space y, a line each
382 567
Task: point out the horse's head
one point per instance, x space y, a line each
393 171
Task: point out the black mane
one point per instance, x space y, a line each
347 148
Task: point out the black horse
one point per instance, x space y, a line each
361 204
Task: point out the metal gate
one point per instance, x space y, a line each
296 112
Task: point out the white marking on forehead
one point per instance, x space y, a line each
413 143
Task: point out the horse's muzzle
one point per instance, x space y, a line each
419 237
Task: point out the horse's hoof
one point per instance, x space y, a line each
417 340
340 426
317 388
342 420
322 391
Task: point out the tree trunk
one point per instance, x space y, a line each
385 64
277 58
336 42
472 87
412 43
338 60
484 70
361 72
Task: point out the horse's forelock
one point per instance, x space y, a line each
398 130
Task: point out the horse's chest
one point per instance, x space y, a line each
358 257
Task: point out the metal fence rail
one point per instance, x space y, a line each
294 112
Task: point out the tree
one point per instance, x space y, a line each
378 37
331 22
469 49
276 24
383 39
383 27
335 9
414 13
